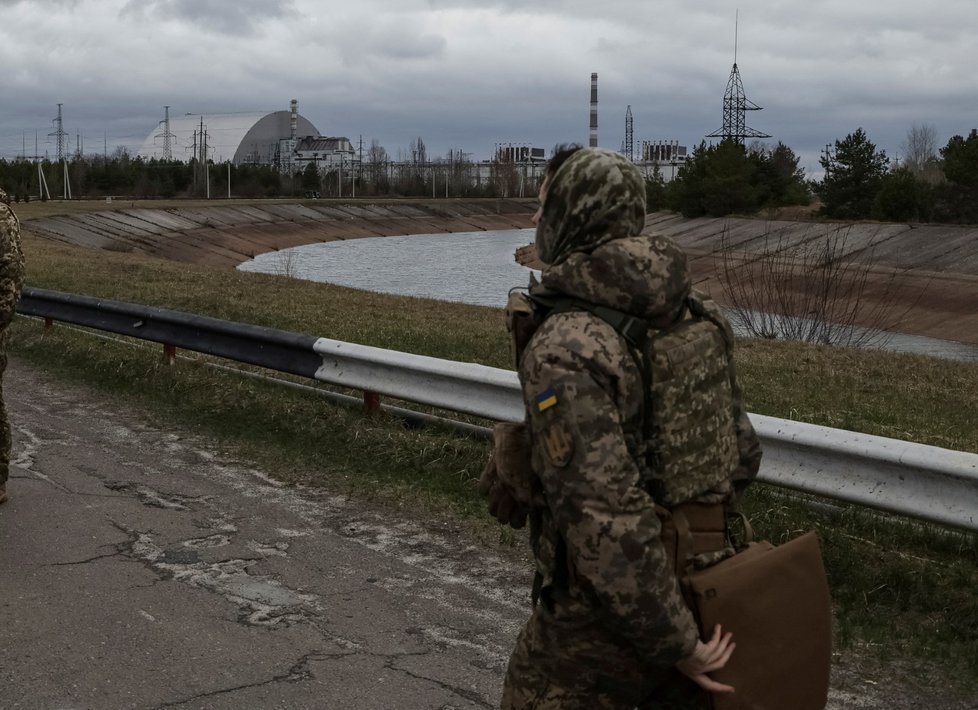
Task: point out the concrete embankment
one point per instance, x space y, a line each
227 235
913 279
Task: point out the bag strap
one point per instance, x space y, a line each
684 542
634 330
734 511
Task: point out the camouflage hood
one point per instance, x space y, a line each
596 196
589 234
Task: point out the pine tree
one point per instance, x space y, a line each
853 177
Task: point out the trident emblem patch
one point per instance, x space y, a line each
558 444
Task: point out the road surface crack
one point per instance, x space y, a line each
299 671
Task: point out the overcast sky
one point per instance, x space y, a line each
467 74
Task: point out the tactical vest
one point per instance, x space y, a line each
689 439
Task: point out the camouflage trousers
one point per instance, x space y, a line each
4 420
552 669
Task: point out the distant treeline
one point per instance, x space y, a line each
859 181
133 177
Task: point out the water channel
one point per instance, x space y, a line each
476 268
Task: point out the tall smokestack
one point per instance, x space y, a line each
594 110
294 123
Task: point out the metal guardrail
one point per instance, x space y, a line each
924 482
458 386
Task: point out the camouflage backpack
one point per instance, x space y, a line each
690 438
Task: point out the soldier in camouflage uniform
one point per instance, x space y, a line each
609 627
11 282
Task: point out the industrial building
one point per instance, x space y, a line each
327 153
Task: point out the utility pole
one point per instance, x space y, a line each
207 167
203 153
360 166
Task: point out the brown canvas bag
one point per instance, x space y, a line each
776 602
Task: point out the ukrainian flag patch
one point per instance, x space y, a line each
546 399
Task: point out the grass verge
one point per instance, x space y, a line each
903 590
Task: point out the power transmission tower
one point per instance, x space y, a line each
827 157
736 106
166 135
60 135
629 134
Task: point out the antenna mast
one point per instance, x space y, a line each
736 32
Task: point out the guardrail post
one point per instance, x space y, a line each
371 403
169 353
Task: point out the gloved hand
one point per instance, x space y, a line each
503 505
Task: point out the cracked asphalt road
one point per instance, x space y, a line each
139 569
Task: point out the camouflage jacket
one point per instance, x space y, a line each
597 540
11 262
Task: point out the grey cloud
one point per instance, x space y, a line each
40 3
232 17
404 39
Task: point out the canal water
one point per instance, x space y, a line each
477 268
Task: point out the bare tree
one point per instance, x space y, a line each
288 263
920 150
811 288
377 159
419 155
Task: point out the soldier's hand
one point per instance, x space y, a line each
505 508
707 657
489 477
503 505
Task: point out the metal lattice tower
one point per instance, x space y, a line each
593 128
629 150
166 135
60 136
735 107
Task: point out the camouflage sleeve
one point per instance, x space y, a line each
573 374
11 264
